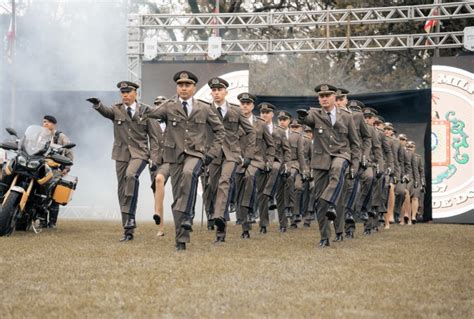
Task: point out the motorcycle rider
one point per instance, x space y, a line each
59 138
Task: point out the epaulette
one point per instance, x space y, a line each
205 102
143 105
281 127
345 110
236 105
258 117
307 137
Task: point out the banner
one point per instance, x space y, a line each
452 132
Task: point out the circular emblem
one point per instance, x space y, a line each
184 75
215 81
324 88
245 96
451 144
338 92
123 85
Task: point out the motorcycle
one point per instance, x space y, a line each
31 180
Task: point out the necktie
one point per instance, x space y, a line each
330 119
219 109
129 111
185 107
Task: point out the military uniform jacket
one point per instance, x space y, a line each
186 135
375 155
297 151
407 169
340 140
413 163
282 147
308 149
232 121
264 150
130 134
157 142
387 150
363 133
395 144
421 168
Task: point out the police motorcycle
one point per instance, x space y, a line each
31 180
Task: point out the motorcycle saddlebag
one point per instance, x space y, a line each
64 189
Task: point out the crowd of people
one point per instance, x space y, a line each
339 164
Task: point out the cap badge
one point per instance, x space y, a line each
215 81
324 88
184 75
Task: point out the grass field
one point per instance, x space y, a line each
81 270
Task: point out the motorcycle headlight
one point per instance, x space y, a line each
33 164
21 160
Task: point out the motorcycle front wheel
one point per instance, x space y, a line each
8 211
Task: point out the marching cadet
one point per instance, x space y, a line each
345 221
59 138
398 179
385 173
298 173
336 150
130 151
282 196
411 207
187 120
403 200
222 169
159 170
251 182
393 180
308 184
371 164
279 168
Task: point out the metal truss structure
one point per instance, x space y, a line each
140 26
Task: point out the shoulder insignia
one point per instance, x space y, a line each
258 117
345 110
204 102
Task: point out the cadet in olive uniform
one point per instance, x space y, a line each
385 172
395 178
222 169
413 184
130 151
252 182
298 173
187 120
351 194
279 165
402 200
336 149
308 183
159 170
371 172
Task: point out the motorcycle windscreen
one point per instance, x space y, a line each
35 140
